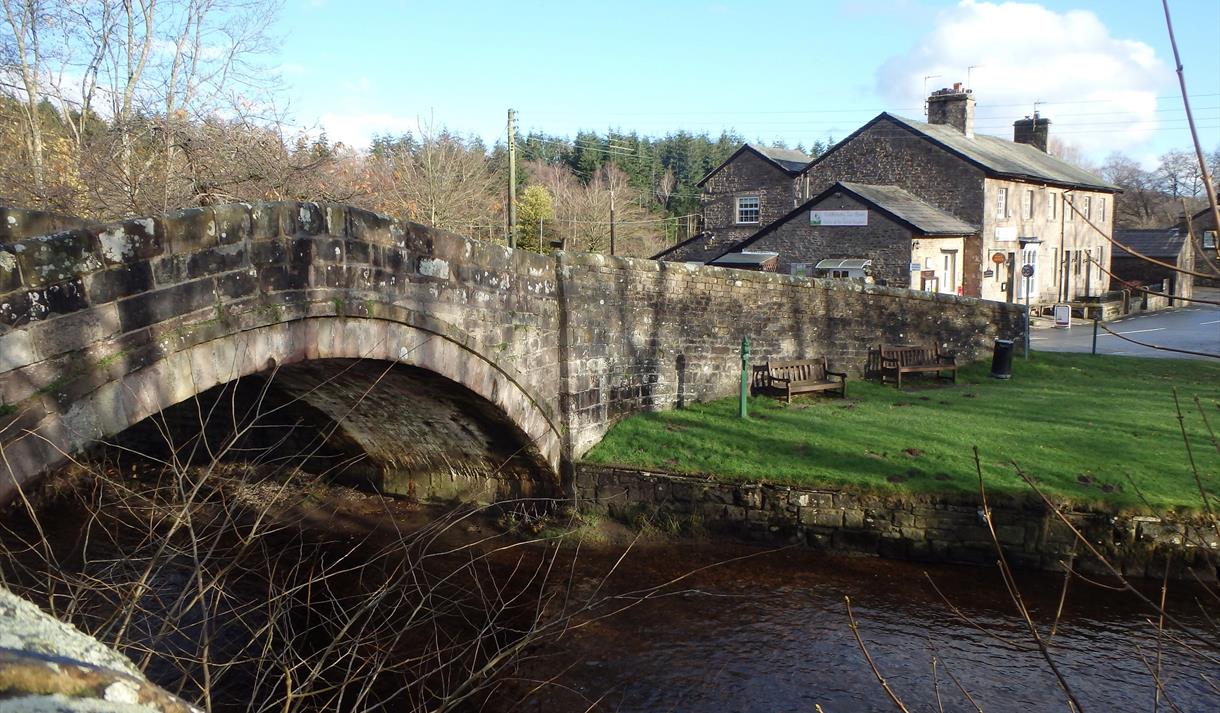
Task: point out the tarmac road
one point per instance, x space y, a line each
1194 327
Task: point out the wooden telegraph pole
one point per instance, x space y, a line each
512 179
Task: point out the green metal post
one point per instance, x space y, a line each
745 379
1095 322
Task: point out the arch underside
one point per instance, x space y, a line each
376 420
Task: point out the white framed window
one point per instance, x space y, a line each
1027 204
1101 209
1086 208
747 209
1209 239
1001 203
1052 202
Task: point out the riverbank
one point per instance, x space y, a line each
1099 433
948 528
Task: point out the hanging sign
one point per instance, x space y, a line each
838 217
998 258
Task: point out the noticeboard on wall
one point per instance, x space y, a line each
838 217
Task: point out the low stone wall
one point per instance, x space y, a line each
942 529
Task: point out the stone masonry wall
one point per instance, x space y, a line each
884 241
933 529
644 336
747 175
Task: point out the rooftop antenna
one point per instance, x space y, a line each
1037 103
970 69
925 91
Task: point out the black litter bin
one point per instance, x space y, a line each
1001 359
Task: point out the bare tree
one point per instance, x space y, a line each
441 179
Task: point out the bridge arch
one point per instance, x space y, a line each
102 326
123 401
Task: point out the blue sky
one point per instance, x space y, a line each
795 70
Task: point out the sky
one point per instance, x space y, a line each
794 70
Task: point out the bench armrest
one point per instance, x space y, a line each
778 378
842 374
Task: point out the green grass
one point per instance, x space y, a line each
1085 427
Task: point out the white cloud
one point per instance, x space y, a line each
357 129
1099 91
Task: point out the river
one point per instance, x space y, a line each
771 633
705 624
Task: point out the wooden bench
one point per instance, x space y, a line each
799 376
899 360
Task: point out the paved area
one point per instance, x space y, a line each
1195 328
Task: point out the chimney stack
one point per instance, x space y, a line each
953 106
1035 132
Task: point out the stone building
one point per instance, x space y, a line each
1166 245
899 239
1025 206
745 193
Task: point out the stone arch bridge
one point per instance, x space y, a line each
104 326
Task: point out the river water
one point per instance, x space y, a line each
710 625
771 633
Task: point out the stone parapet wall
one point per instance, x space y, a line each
645 336
942 529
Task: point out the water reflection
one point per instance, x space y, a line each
770 633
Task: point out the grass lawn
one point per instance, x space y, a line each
1086 427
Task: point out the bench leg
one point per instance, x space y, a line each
900 379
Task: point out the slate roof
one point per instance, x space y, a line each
743 258
924 218
996 156
789 160
1154 242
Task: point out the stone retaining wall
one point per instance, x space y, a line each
942 529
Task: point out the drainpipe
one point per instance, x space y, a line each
1064 264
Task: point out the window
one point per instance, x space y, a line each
1052 200
1055 263
747 209
1085 208
1027 205
1209 239
1076 263
1101 209
1001 203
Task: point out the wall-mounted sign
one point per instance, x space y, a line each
838 217
1007 232
916 267
988 273
998 258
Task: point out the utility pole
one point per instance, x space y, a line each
612 219
512 178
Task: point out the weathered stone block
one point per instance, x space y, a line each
190 230
233 223
56 258
129 241
157 306
117 282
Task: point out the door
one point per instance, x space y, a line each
1010 285
950 281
